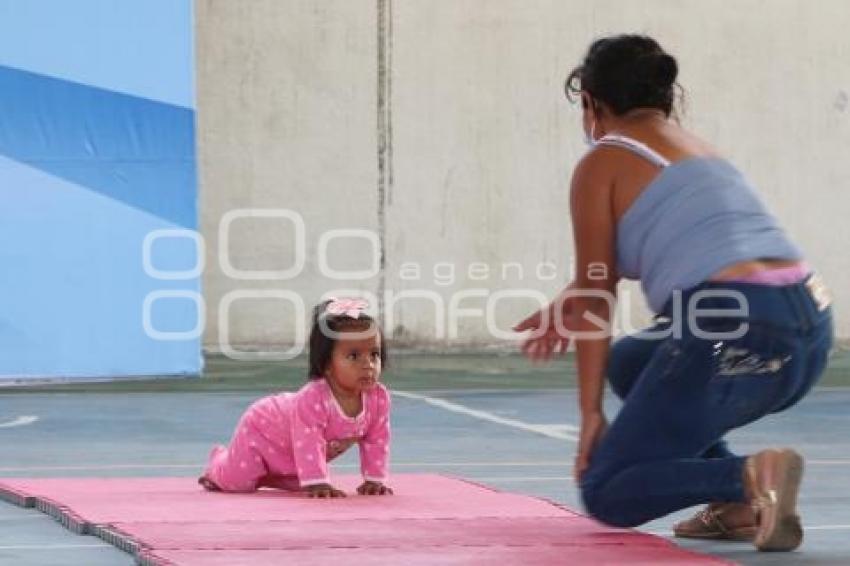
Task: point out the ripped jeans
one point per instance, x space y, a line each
681 394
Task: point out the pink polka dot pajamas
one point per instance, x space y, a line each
286 440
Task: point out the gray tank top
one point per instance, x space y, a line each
696 217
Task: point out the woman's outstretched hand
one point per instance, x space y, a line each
550 328
593 426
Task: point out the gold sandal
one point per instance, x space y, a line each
773 478
709 524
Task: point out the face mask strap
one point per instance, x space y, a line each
587 102
590 139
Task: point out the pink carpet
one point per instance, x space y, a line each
430 519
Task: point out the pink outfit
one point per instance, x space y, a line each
286 440
777 277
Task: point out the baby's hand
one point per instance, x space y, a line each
323 490
374 488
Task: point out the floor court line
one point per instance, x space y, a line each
557 431
53 546
20 421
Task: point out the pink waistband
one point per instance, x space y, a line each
777 277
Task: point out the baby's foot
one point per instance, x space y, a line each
208 484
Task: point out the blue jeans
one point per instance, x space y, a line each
681 394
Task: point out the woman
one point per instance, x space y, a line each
743 328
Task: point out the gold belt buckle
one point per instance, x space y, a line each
819 291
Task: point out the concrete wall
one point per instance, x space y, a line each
477 142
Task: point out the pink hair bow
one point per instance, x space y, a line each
349 307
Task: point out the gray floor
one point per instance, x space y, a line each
167 433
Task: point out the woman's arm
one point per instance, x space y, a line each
594 233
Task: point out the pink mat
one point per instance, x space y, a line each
430 519
500 555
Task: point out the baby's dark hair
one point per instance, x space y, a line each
627 72
322 342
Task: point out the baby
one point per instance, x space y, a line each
286 441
